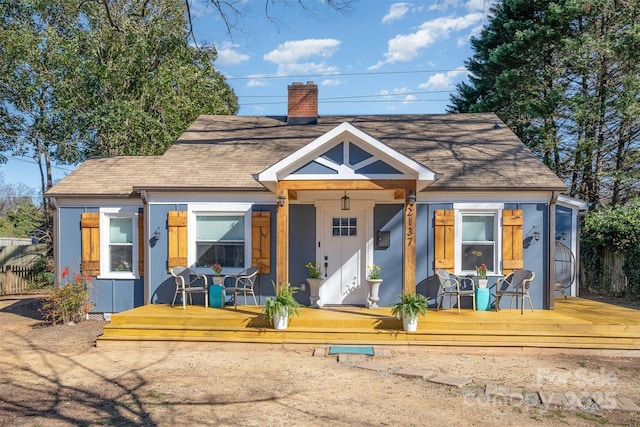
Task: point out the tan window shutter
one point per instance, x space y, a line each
140 244
177 239
261 241
90 231
512 249
444 239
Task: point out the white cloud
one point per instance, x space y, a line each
477 5
396 12
292 51
442 81
405 47
289 55
395 91
331 82
227 55
256 80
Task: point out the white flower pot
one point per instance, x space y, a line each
482 283
280 322
314 291
374 288
410 324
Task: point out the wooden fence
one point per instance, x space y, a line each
15 279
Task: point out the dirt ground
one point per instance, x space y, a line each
55 376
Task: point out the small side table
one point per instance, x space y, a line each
483 299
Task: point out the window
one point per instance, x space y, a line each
478 242
221 239
344 226
119 245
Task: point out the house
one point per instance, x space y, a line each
409 193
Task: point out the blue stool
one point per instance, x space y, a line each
483 299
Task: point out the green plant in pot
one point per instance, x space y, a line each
411 306
283 306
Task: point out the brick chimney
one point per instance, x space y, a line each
303 103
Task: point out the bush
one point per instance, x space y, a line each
43 269
68 302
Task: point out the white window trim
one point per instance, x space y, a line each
218 209
495 209
105 215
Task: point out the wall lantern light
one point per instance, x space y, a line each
345 202
536 235
411 198
281 199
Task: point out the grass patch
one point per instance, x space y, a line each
588 417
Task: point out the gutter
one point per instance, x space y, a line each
146 221
551 239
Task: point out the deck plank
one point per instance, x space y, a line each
575 323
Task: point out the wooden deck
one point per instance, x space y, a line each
575 323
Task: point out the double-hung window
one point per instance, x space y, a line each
220 238
119 245
478 241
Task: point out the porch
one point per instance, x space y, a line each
575 323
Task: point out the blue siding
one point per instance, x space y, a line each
302 247
108 295
535 251
70 240
389 218
162 285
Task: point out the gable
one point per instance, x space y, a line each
346 153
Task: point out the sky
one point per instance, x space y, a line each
383 57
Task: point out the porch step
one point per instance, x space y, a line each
507 328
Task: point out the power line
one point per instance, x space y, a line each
386 95
33 162
373 73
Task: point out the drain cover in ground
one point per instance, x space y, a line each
341 349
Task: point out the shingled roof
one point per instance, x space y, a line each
470 151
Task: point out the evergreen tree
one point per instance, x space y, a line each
564 75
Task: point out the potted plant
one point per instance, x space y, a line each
314 280
279 309
374 278
217 273
482 275
410 306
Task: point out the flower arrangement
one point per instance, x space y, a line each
482 271
373 272
314 270
217 269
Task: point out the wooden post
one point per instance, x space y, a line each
282 239
8 280
410 217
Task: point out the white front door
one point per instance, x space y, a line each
343 237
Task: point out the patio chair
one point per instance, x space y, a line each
565 268
516 285
242 284
188 282
452 285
